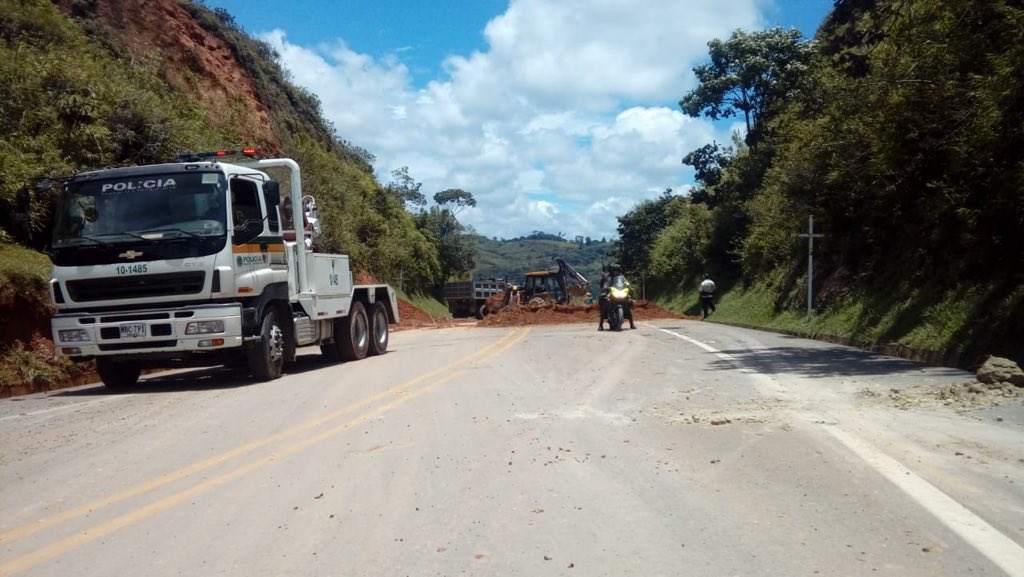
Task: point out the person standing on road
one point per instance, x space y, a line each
707 295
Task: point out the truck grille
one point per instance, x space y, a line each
153 285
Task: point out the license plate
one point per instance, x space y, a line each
133 330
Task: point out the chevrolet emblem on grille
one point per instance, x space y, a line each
129 254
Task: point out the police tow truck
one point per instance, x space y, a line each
199 263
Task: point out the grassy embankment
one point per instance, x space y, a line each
425 303
27 362
956 327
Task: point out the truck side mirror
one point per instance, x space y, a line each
272 192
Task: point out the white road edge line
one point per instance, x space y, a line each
1000 549
693 341
989 541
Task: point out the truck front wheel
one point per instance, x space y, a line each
118 375
266 357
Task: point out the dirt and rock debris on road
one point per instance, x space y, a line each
964 396
551 314
998 381
554 314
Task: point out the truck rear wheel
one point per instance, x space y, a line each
267 356
354 340
117 375
378 329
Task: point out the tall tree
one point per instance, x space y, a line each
680 251
405 189
638 230
708 162
750 73
454 247
455 199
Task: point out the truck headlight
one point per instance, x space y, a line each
204 327
74 336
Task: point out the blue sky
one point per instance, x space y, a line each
557 114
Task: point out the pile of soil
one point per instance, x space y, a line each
414 318
566 314
410 316
363 277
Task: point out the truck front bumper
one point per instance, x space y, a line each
193 329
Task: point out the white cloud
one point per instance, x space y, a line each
565 120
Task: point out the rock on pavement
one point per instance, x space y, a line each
999 370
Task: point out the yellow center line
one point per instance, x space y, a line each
103 529
199 466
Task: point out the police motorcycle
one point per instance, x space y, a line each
618 301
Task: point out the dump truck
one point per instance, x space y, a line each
199 263
468 297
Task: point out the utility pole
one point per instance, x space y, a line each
810 236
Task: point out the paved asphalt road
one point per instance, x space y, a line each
681 448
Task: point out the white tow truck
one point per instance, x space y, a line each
198 263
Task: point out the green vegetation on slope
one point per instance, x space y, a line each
24 274
900 128
953 326
66 103
425 303
23 268
24 296
72 102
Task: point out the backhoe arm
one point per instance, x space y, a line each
570 281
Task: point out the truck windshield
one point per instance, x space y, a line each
146 208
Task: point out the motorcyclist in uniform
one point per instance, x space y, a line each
613 271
